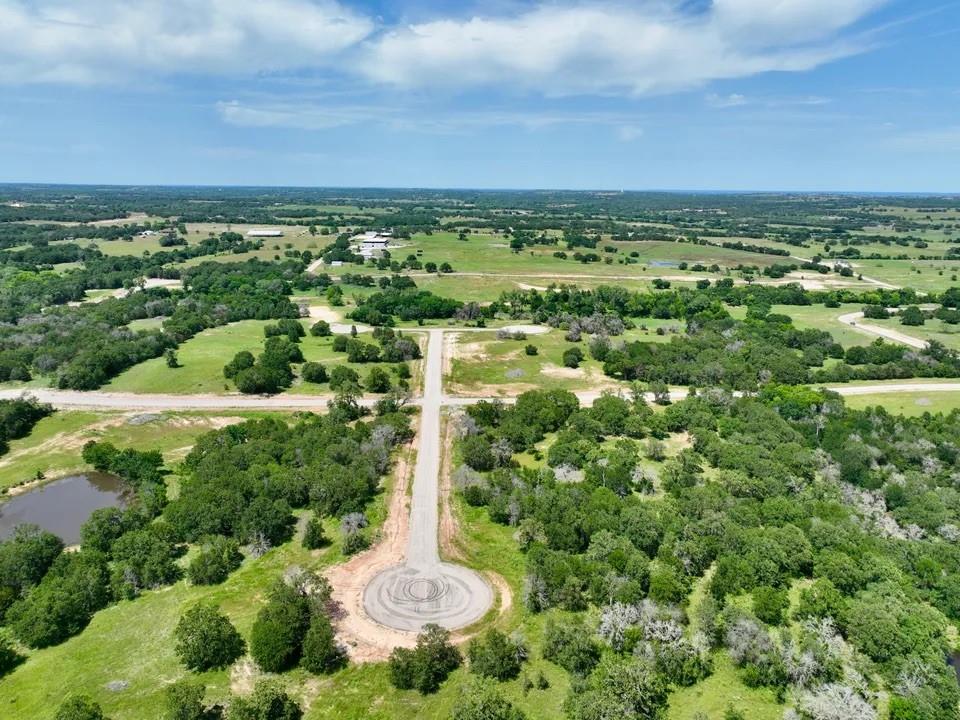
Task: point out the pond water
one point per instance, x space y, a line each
63 505
662 263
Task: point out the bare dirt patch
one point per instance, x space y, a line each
367 640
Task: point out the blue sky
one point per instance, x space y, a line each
651 94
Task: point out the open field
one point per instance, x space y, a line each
481 364
933 329
54 446
915 403
202 359
933 275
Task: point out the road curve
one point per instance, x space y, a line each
853 320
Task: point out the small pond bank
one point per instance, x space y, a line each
63 505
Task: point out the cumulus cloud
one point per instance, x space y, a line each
555 48
93 41
640 48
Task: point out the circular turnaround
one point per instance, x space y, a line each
407 598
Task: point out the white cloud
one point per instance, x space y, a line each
92 41
555 48
726 101
642 48
311 116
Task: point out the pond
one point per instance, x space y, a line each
662 263
63 505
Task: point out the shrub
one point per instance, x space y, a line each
572 357
770 604
378 381
531 350
313 536
321 328
9 657
354 542
185 702
496 656
480 700
571 646
206 639
426 666
341 376
268 702
321 653
218 557
277 637
314 372
79 707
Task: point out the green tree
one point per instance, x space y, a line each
268 702
206 639
313 372
79 707
378 381
426 666
617 688
9 657
313 535
276 641
218 557
321 652
496 656
321 328
335 295
480 700
184 701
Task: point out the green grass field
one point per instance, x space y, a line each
202 359
934 329
132 642
482 364
933 275
54 446
910 404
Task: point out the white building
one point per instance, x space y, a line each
264 233
146 233
372 243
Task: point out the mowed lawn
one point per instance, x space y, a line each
202 359
911 404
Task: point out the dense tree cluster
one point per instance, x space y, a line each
17 418
383 307
786 489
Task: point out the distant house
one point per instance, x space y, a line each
264 233
147 233
372 243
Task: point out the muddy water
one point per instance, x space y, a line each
63 505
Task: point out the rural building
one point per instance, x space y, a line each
264 233
372 243
147 233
